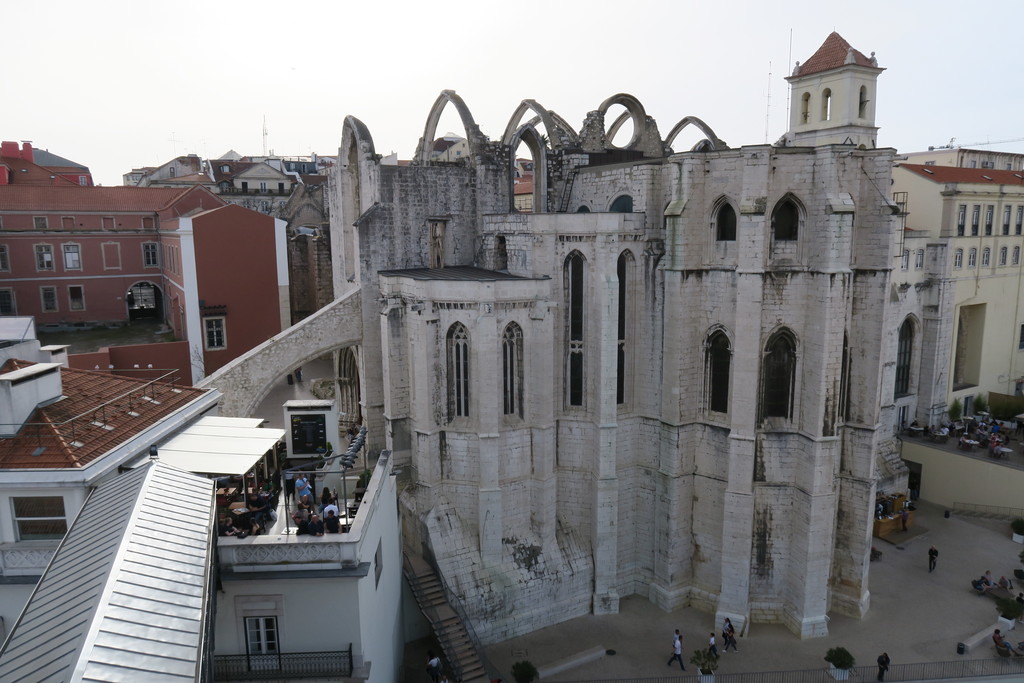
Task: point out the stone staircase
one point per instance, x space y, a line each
456 644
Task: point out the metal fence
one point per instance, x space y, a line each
996 511
281 665
925 671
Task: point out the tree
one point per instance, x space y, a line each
524 672
956 410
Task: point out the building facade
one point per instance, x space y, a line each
664 381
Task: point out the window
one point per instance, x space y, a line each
989 211
1002 256
862 107
919 259
805 107
905 260
725 223
173 171
458 372
778 375
107 222
261 636
49 298
44 257
263 186
245 186
958 258
67 222
1016 256
622 204
903 354
512 369
39 222
72 257
573 273
150 255
986 256
83 180
972 258
436 248
216 337
1006 219
5 259
76 297
224 168
1020 219
624 268
975 219
718 362
961 220
786 221
7 306
826 104
40 518
280 188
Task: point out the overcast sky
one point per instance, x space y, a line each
117 85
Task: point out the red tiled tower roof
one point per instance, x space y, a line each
833 54
70 197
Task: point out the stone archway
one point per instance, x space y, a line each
715 142
474 137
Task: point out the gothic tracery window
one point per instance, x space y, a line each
904 352
786 220
458 371
719 360
512 369
778 375
574 271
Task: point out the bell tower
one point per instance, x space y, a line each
832 97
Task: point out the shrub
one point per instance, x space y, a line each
704 660
524 672
1018 526
839 657
1009 608
956 410
980 404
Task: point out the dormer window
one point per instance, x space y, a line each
225 168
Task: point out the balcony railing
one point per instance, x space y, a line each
282 665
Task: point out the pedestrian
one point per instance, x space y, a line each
298 374
729 635
904 516
933 554
302 487
883 665
711 645
289 485
677 650
433 666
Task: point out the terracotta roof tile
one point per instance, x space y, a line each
957 174
71 197
26 173
832 55
93 417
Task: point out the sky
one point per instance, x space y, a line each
117 85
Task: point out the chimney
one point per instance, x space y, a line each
24 390
9 149
27 152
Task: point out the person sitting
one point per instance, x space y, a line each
1004 583
332 523
964 446
259 507
1001 643
315 527
943 431
226 527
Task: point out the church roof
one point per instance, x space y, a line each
958 174
833 54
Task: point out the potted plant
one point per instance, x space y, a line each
956 410
1018 530
980 404
1009 612
841 661
706 663
524 672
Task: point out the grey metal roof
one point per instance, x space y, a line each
44 158
125 596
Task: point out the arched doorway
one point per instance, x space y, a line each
144 301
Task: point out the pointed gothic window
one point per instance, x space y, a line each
725 223
458 372
623 270
574 282
719 360
778 375
512 369
622 204
903 355
786 220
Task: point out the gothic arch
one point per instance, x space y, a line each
357 162
528 133
473 135
634 110
560 133
724 219
715 142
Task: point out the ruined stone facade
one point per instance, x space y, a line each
664 382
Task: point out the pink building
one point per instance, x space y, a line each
77 256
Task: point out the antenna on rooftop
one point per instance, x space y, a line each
264 135
174 144
789 64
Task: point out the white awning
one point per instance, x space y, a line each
220 445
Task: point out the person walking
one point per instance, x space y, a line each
677 650
883 665
729 636
711 645
933 554
904 517
433 666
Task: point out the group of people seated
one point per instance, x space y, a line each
1003 644
985 584
316 521
251 518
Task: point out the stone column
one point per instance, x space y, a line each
606 486
487 402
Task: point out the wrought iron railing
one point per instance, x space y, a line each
282 665
925 671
